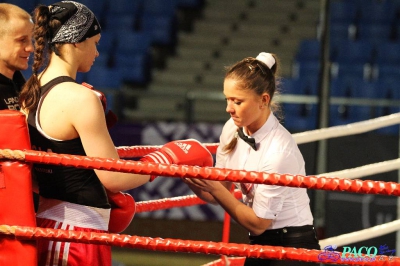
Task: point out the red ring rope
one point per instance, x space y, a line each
218 174
179 245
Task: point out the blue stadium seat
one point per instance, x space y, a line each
134 75
377 12
307 85
159 17
345 114
122 22
388 88
104 78
98 7
81 77
385 71
27 5
305 68
354 52
107 41
364 89
103 60
27 73
396 29
342 31
288 86
45 2
340 88
163 29
396 3
396 6
191 4
308 50
134 42
343 12
351 70
134 68
353 88
387 53
300 117
375 33
299 86
125 7
160 7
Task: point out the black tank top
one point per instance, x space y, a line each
71 184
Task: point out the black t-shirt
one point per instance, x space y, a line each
9 90
71 184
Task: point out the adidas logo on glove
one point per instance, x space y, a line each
184 146
171 153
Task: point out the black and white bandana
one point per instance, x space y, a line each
77 22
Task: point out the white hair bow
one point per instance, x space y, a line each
266 58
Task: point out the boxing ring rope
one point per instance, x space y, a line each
210 173
361 235
174 202
346 130
175 245
227 249
98 163
345 239
300 138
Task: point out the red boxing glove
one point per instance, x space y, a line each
111 118
187 152
123 209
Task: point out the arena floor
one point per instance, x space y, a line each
124 257
187 230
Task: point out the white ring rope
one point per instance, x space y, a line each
361 235
345 130
358 172
366 170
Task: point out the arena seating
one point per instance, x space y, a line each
364 55
363 44
220 38
137 37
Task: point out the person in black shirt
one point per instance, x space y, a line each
16 30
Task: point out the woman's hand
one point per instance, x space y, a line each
204 184
203 188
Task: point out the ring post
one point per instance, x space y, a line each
16 198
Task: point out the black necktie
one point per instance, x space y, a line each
249 140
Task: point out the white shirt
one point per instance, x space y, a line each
277 152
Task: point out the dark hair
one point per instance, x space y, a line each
30 94
255 75
60 23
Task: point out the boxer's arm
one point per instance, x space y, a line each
87 117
